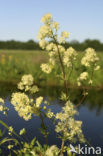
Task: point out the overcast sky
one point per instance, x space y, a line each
20 19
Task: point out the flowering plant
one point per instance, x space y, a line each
67 128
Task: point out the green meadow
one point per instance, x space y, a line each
15 63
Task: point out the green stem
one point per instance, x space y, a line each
62 147
62 67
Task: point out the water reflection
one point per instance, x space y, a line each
90 112
94 100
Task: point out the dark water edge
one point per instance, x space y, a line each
90 112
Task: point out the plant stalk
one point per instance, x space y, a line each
62 147
62 67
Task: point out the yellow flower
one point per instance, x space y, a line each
51 151
45 31
46 18
43 43
67 126
97 68
46 68
44 107
50 46
1 108
22 131
27 84
39 101
89 58
10 130
27 79
1 101
50 114
22 105
90 82
10 146
69 56
64 36
55 25
83 76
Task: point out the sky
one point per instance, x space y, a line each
20 19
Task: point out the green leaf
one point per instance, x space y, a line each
6 140
32 142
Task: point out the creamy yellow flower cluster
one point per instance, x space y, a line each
90 59
69 56
82 78
64 36
52 151
26 84
24 105
3 108
10 130
1 104
47 33
22 131
50 114
53 57
67 126
48 29
46 67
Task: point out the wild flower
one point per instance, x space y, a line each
46 18
22 104
26 84
55 25
66 126
51 151
10 146
43 43
69 56
82 78
97 67
39 101
3 107
22 131
64 36
90 58
47 68
10 130
27 80
1 100
50 114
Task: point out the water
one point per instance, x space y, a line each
90 112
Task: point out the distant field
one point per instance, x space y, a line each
15 63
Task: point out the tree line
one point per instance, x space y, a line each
32 45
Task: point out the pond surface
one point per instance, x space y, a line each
90 112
